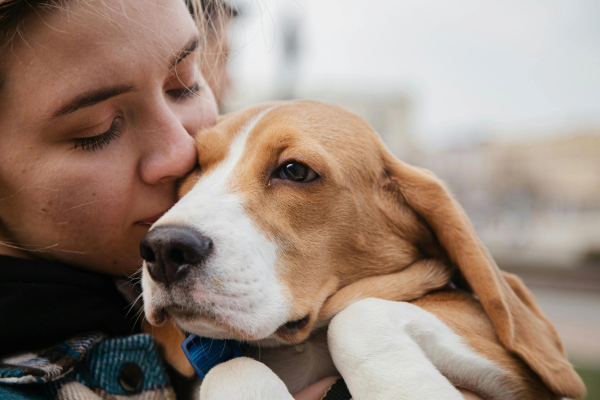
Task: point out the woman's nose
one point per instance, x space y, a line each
170 151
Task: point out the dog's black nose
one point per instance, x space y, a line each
170 251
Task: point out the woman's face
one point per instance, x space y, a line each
97 118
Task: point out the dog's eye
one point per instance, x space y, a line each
297 172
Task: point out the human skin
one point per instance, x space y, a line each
90 207
87 207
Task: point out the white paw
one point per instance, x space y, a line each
243 379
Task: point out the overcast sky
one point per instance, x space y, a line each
472 68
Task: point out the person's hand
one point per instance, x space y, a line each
317 390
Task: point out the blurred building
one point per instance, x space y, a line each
532 202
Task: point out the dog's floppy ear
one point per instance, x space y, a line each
521 325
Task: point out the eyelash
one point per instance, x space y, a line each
186 92
101 141
114 132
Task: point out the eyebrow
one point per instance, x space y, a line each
190 47
97 96
90 98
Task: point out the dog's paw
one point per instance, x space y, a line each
243 379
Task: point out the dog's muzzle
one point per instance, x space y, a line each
170 251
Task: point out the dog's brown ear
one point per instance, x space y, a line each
521 325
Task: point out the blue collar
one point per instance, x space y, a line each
204 353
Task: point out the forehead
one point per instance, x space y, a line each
323 133
93 43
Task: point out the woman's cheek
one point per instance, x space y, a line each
88 203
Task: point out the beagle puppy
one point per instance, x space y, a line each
302 236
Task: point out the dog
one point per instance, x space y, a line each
300 234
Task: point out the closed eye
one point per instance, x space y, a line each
185 92
99 142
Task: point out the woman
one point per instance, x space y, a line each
99 103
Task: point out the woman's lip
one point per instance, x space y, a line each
151 220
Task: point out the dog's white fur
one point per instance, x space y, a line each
373 339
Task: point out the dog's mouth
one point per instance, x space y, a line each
291 328
159 317
183 313
287 332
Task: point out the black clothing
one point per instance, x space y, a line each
44 302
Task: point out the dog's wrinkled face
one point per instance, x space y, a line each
285 209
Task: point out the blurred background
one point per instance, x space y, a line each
501 99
